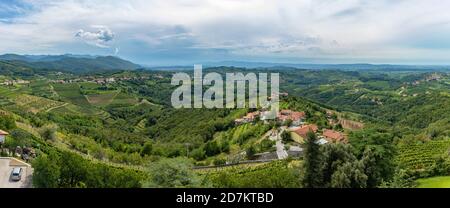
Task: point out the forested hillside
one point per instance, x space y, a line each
121 124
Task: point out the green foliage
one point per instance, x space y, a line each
377 152
69 170
341 169
250 152
219 161
337 166
401 179
277 174
312 176
115 122
211 148
421 156
172 173
19 137
7 122
147 148
286 137
48 132
46 171
266 145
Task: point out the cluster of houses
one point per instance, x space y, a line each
98 80
299 129
299 134
282 116
14 82
430 78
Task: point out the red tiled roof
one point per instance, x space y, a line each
252 115
297 115
3 132
332 135
303 131
285 112
292 115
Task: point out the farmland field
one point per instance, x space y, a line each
101 99
434 182
71 93
420 156
124 99
33 104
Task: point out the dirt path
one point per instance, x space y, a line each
59 106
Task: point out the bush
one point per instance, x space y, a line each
171 173
147 148
48 132
219 161
7 122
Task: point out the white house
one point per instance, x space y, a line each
2 136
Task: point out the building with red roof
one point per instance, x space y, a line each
334 136
294 116
299 135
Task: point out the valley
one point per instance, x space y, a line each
95 127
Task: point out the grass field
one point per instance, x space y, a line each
34 104
101 99
71 93
124 99
434 182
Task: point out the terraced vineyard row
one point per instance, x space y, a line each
422 156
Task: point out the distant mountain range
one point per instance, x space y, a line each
89 63
352 67
348 67
69 62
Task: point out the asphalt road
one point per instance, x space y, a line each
281 152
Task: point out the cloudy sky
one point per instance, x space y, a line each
162 32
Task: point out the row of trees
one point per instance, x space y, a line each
70 170
340 165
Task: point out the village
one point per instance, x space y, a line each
291 133
98 79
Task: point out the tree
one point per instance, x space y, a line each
172 173
401 179
70 170
7 122
74 170
340 168
198 154
349 175
48 132
46 171
312 176
286 137
147 148
212 148
250 151
288 122
376 152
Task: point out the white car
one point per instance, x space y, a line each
16 174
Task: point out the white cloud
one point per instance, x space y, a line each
102 37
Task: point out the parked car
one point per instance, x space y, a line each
16 174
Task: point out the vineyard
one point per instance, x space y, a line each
422 156
101 99
34 104
72 94
276 174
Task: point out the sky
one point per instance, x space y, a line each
178 32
